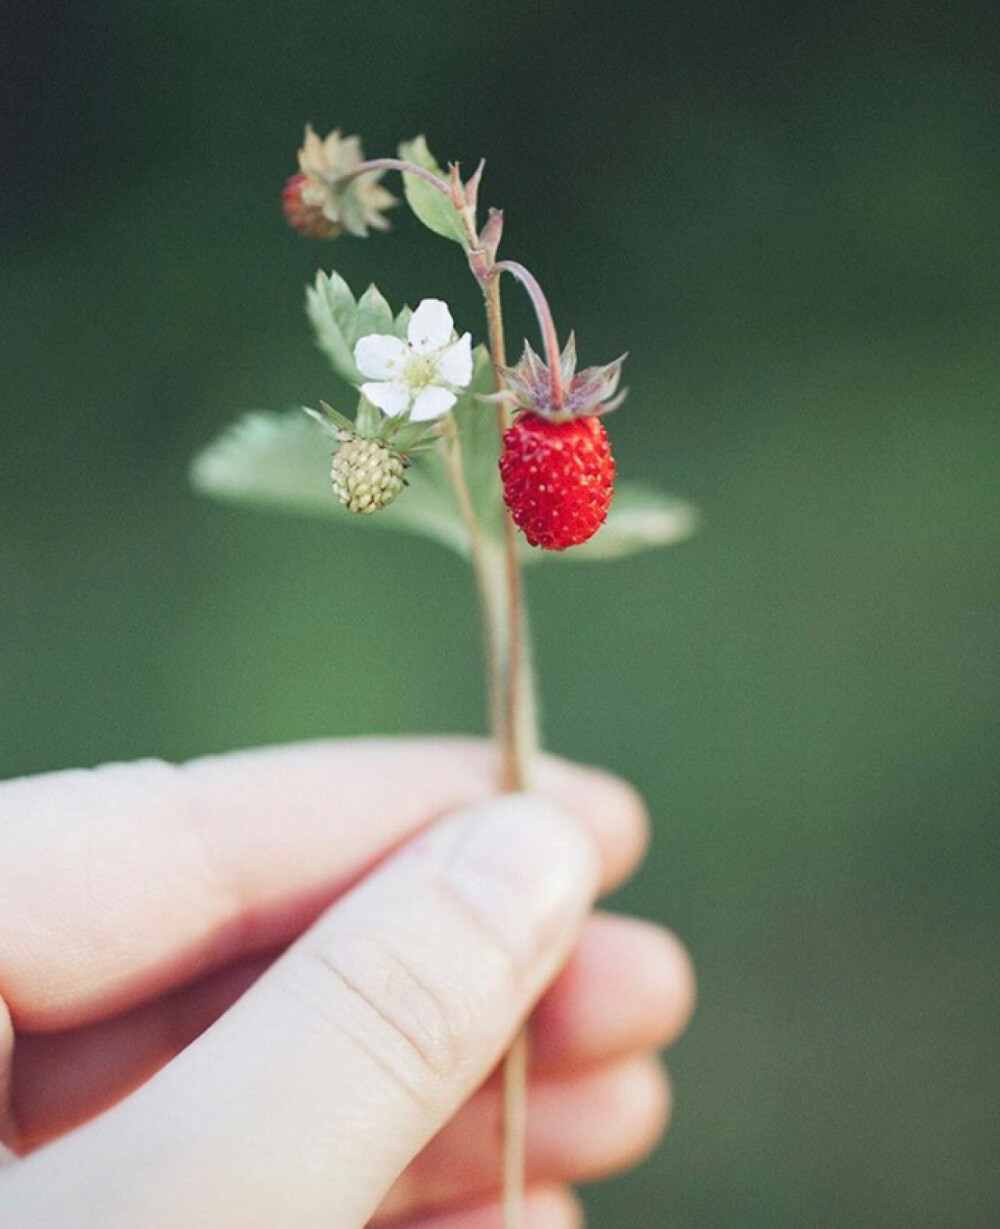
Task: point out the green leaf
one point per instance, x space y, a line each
433 208
373 314
402 322
282 462
339 321
331 309
479 436
641 518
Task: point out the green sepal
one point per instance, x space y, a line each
409 437
433 208
368 419
330 419
405 437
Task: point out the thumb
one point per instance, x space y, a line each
305 1102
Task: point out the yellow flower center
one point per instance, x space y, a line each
421 371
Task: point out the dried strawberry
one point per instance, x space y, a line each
308 219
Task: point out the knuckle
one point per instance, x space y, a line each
412 1022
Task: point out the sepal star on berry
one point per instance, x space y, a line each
575 394
556 466
320 204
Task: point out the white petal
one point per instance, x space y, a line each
433 402
380 356
454 365
390 398
431 327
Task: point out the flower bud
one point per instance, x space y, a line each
490 235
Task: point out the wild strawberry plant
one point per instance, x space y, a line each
447 441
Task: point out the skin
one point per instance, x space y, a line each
271 988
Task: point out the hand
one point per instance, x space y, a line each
267 988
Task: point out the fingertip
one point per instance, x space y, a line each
628 989
667 978
638 1096
612 808
653 1093
554 1207
527 867
590 1126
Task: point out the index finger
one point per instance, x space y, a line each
120 883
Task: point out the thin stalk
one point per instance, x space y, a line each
519 740
543 312
490 608
520 736
510 677
498 581
515 1130
396 164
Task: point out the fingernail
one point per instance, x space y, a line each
528 870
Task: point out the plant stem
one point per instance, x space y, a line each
545 322
518 743
521 738
491 604
515 1130
498 580
396 164
512 713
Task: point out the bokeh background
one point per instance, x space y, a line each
789 213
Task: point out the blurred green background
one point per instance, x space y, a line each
789 213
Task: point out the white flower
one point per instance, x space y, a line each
420 374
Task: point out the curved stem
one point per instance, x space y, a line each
546 324
396 164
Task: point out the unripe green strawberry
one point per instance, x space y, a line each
367 474
558 478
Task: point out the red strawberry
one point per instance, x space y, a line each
308 220
558 478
